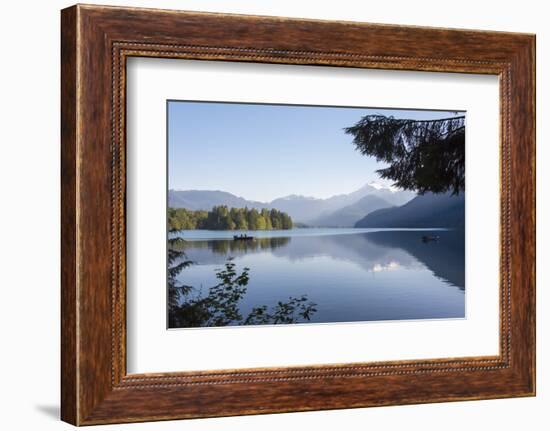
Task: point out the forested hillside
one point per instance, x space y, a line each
223 218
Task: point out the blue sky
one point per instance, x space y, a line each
262 152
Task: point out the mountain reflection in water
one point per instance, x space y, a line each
363 276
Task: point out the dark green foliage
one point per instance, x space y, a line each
222 218
177 262
282 313
254 219
423 156
182 219
219 306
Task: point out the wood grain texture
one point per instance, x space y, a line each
69 367
96 41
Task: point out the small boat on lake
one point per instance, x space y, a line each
428 238
242 237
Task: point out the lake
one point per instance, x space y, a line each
345 275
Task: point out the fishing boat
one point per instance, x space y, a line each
242 237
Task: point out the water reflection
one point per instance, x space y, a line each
445 257
226 246
373 251
219 305
382 275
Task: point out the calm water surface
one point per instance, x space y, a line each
350 274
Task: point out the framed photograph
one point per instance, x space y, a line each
264 215
307 247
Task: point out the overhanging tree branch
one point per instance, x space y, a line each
423 155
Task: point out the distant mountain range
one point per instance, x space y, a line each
350 214
206 199
337 211
428 210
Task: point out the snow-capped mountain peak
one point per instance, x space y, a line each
380 186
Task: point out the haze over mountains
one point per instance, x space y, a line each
342 210
350 214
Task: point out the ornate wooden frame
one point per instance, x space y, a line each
95 42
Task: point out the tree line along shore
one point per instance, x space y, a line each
223 218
